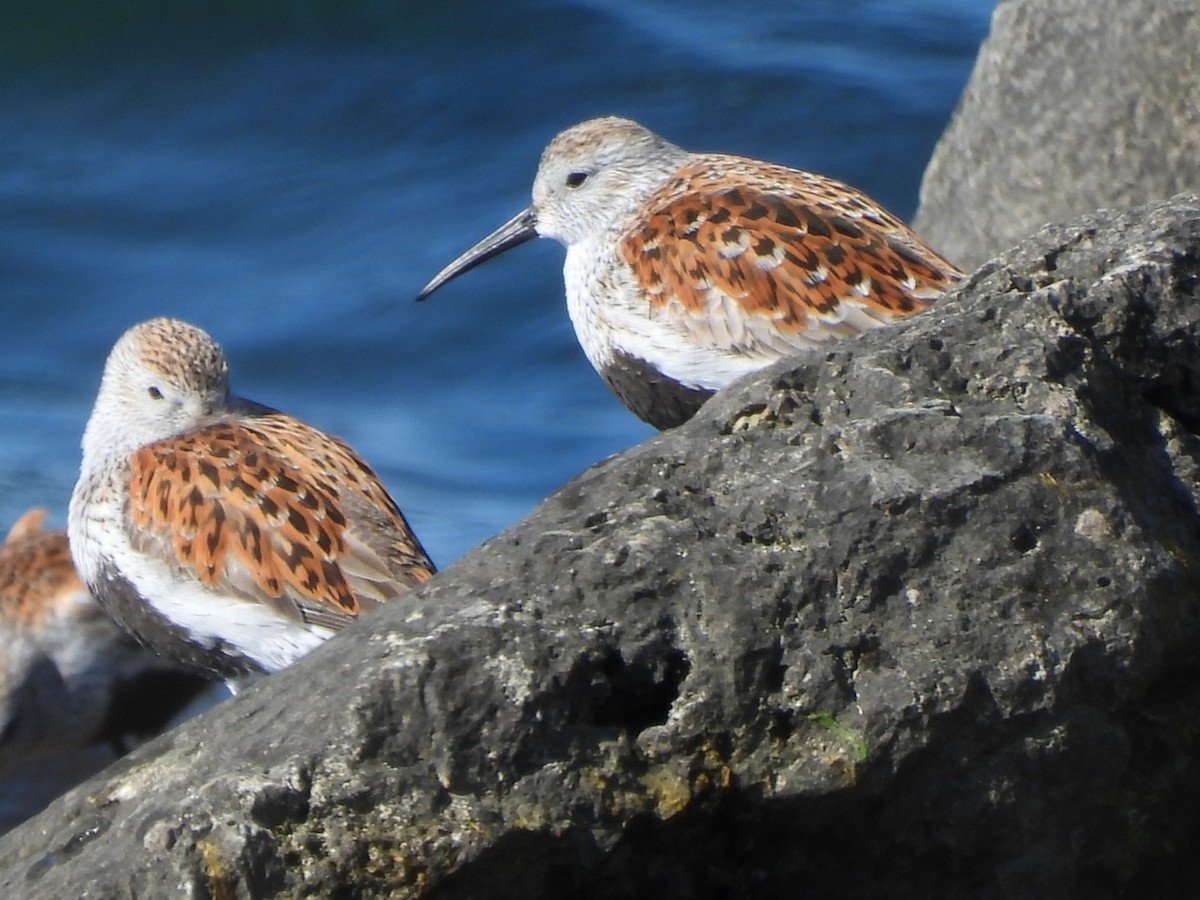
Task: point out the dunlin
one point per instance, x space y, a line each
687 270
75 690
223 533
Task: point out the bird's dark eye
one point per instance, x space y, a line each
155 393
575 179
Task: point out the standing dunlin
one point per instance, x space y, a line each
223 533
687 270
74 688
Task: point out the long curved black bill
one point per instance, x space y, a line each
517 230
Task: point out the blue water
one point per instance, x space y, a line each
288 175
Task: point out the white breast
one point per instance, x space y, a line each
610 312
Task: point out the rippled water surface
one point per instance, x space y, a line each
288 175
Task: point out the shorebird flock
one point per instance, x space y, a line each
230 538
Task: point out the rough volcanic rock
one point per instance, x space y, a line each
913 617
1073 105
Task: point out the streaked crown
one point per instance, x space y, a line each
161 378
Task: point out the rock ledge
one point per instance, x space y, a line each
914 617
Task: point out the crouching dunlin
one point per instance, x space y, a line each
223 533
687 270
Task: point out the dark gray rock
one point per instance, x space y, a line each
1073 105
914 617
